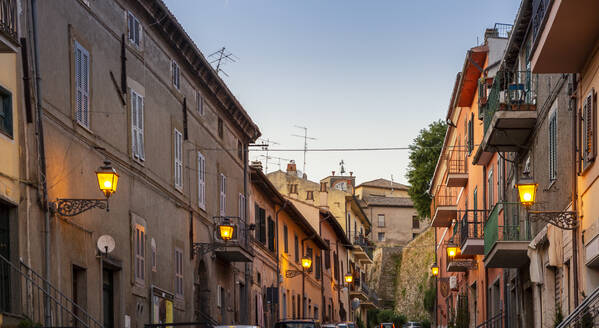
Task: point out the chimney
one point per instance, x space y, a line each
291 168
333 174
257 165
351 173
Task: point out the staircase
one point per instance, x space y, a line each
585 314
27 295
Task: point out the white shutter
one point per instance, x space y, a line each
242 206
223 194
81 85
219 300
140 127
178 160
200 104
201 181
134 133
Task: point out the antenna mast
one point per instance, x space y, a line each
265 148
220 57
306 138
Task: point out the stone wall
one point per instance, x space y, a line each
414 276
384 274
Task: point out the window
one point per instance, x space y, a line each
285 241
310 254
178 144
309 195
553 146
500 174
140 256
327 255
292 188
239 150
6 124
470 144
81 85
242 206
589 116
381 236
200 101
220 293
323 187
490 185
201 181
336 266
318 265
178 272
381 220
260 218
315 312
176 75
271 234
220 128
137 126
415 222
134 29
296 249
154 265
223 194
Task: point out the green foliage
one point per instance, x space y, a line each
424 153
426 323
429 297
372 315
559 317
27 323
390 316
360 323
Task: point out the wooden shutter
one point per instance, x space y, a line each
81 85
286 239
178 159
201 181
271 234
137 126
589 126
262 226
327 255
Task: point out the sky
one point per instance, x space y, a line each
356 74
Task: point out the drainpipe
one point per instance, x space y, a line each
322 300
246 287
573 105
42 163
338 268
285 202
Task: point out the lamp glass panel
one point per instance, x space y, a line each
306 262
226 232
527 193
107 181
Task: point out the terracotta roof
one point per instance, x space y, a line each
389 201
384 183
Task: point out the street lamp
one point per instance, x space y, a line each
527 189
226 230
306 263
435 270
107 182
452 250
349 278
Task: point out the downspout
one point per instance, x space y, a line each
246 315
339 280
322 300
573 109
42 164
285 202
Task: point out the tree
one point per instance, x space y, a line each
424 153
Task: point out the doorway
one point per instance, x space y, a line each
5 252
108 298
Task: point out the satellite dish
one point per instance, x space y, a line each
106 244
355 303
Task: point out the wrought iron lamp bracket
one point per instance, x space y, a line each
292 273
74 206
202 249
566 220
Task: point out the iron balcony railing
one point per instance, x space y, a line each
503 30
504 224
515 91
471 225
457 160
539 9
363 242
585 314
444 196
8 19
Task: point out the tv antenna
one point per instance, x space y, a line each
266 143
268 158
306 138
221 57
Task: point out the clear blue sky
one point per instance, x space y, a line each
356 73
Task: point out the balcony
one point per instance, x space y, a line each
239 248
471 232
359 290
9 38
509 115
563 29
362 249
457 173
444 206
461 262
506 237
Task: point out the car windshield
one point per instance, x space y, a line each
295 325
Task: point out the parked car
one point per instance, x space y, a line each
236 326
297 323
386 325
328 325
347 324
412 324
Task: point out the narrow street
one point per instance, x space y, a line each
298 164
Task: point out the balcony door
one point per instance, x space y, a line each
5 252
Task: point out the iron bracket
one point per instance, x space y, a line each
566 220
73 206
